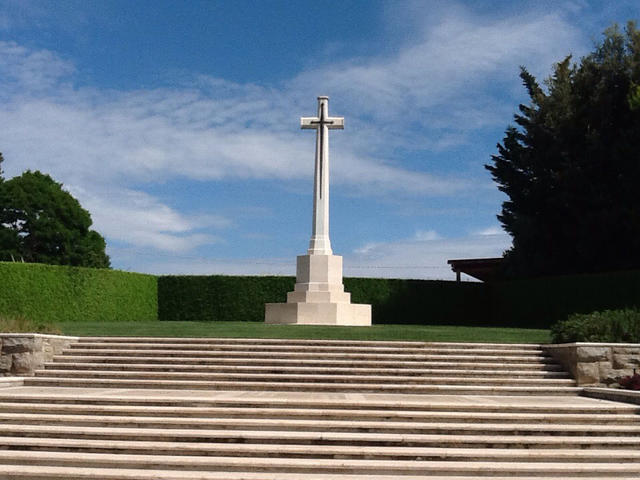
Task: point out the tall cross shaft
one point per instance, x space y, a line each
320 243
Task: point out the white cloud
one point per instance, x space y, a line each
31 70
423 256
141 220
493 230
216 129
427 235
419 258
430 95
144 140
447 76
159 264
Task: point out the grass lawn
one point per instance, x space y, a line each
260 330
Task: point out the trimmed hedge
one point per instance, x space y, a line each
58 293
219 297
55 293
533 303
540 302
230 298
423 302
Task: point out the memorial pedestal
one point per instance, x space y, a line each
318 297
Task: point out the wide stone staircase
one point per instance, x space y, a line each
169 409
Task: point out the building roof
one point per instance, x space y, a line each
484 269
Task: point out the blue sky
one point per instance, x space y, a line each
176 124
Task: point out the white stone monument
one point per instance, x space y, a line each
319 297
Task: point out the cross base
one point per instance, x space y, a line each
346 314
318 297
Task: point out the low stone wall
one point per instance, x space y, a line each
597 364
24 353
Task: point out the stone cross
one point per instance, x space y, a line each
318 297
320 243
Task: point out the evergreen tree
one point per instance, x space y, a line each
571 166
40 222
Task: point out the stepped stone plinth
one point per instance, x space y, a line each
318 297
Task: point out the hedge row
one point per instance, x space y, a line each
229 298
533 303
424 302
219 297
57 293
540 302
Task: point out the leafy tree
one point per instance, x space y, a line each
571 166
8 238
40 222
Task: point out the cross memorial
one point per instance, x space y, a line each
319 297
320 242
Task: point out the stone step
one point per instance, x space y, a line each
6 382
170 409
570 405
314 362
316 465
534 440
319 451
417 357
36 472
433 427
316 342
305 378
428 350
320 414
283 341
301 386
173 367
214 347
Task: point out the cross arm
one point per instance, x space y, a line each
335 123
332 123
309 122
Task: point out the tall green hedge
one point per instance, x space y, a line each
58 293
55 293
540 302
533 303
219 297
223 298
426 302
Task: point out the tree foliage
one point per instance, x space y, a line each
571 166
40 222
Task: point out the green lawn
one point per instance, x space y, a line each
260 330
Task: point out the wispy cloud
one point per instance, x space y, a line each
430 95
138 219
32 71
452 76
423 256
493 230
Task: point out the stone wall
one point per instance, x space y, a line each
24 353
597 364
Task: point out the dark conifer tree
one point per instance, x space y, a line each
571 166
